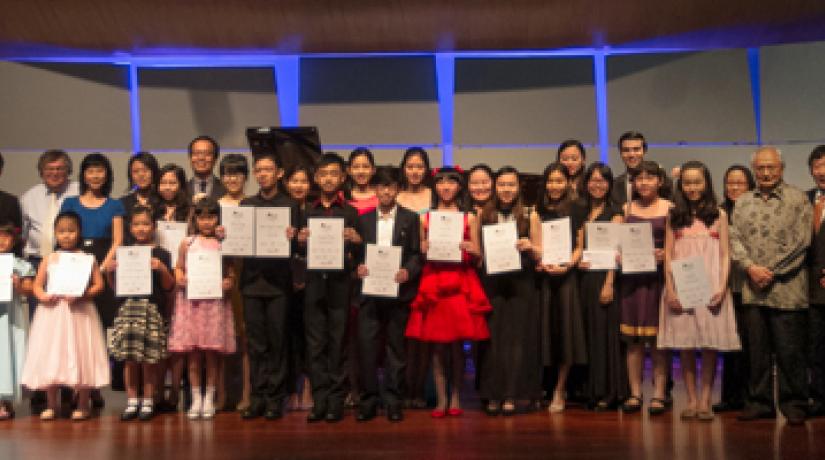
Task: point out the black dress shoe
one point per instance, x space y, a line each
365 414
394 414
795 417
252 412
274 411
335 415
316 415
754 414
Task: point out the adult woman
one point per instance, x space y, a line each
572 155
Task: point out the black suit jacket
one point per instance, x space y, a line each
218 189
816 259
405 233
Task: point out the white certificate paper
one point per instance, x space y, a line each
6 272
636 243
600 259
325 249
204 275
556 241
602 236
382 263
500 253
693 284
69 276
445 233
170 234
133 276
239 224
270 232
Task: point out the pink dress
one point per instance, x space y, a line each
202 324
702 328
66 346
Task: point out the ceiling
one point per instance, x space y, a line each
33 27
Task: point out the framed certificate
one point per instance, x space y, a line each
601 236
693 285
500 253
383 262
636 243
204 275
325 249
270 232
169 236
445 233
239 224
556 241
6 273
69 276
133 276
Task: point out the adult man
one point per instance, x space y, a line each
203 154
816 258
770 235
632 148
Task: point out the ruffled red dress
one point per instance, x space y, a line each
451 304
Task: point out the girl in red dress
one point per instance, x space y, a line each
451 305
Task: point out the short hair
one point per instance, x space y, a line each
329 158
52 155
69 215
8 227
96 159
649 167
386 175
270 155
150 162
573 143
216 148
766 148
632 136
142 209
206 206
234 163
816 154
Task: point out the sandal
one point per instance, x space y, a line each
632 404
657 410
688 414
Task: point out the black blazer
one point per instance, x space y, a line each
218 189
816 260
405 233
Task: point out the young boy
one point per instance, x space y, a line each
326 305
387 225
266 285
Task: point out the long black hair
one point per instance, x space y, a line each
451 173
489 214
409 153
727 203
151 163
705 209
607 174
181 201
487 170
350 182
563 206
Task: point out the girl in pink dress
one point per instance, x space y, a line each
203 329
697 227
66 344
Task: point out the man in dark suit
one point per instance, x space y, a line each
203 154
387 225
816 261
632 148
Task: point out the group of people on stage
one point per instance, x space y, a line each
549 333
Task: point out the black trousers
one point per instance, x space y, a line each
735 363
326 311
816 356
266 338
781 333
374 316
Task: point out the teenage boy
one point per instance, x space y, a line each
266 284
326 304
387 225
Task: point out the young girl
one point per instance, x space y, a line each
563 340
203 329
607 376
361 168
697 227
641 293
14 319
572 155
480 186
139 336
66 344
450 306
510 362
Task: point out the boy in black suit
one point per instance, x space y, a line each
387 225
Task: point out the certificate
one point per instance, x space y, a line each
325 249
239 224
170 234
500 253
270 232
600 259
6 272
69 276
556 241
636 243
382 263
692 282
204 275
602 235
133 276
445 234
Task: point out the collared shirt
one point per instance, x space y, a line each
773 229
385 224
35 203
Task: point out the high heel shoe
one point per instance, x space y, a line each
438 413
455 412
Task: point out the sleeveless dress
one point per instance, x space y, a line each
451 304
202 324
641 293
14 326
700 328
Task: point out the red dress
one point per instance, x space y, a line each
451 304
